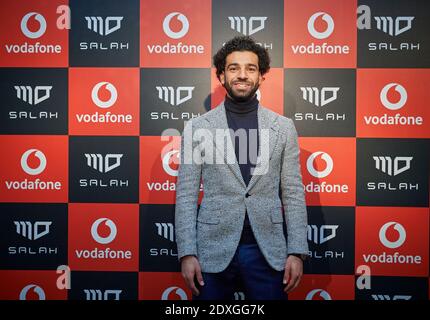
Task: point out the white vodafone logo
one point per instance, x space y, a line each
178 291
314 172
396 105
36 289
42 25
95 234
321 293
24 162
185 25
166 163
383 235
95 95
311 25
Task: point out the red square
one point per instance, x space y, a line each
31 285
392 103
159 163
31 34
270 94
104 237
324 287
104 101
328 168
320 34
34 169
163 286
393 241
175 34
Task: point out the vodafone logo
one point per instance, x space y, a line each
185 25
383 235
95 234
393 105
36 289
167 164
113 95
24 162
42 25
177 291
313 171
319 293
311 25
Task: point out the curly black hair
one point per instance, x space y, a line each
241 43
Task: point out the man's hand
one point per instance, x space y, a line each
293 273
190 267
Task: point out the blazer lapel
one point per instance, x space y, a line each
219 121
268 136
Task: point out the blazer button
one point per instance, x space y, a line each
247 195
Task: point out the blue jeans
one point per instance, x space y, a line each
249 267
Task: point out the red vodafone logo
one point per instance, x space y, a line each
104 103
316 172
178 34
401 235
42 25
25 162
327 32
104 237
324 35
392 240
168 30
32 288
174 293
328 170
37 34
394 105
112 231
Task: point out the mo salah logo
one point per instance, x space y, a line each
33 96
179 47
323 48
104 26
32 170
104 103
104 253
392 26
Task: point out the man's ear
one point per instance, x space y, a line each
261 79
222 78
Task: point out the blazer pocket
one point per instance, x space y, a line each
276 215
208 220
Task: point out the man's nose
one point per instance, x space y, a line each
242 74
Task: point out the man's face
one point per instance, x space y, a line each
241 77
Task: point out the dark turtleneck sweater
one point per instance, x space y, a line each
243 115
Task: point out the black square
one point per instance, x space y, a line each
104 33
104 169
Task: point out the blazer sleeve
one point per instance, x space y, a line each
187 193
292 193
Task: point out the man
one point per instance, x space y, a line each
238 233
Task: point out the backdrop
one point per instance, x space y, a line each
88 89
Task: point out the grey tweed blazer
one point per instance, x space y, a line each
212 231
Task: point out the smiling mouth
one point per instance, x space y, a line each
241 85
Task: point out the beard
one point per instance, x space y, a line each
241 95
